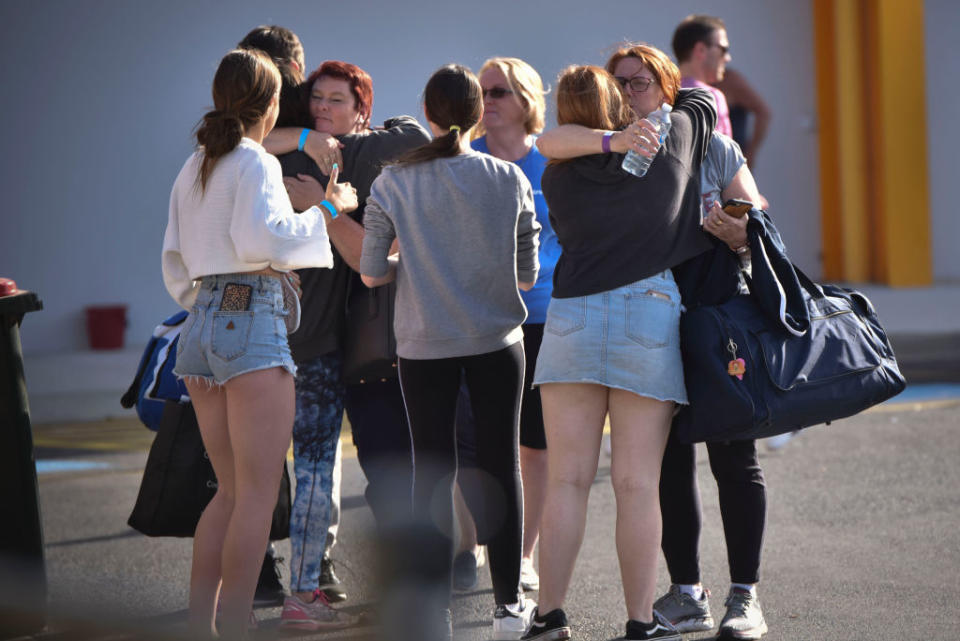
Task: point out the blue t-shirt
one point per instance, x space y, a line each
537 298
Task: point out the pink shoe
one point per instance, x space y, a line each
316 615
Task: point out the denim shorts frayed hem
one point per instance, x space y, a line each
216 345
210 381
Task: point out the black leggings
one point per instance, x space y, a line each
743 508
430 390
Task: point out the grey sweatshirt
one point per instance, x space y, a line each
467 233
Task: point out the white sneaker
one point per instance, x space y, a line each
779 441
529 579
511 621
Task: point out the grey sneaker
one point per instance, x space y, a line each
684 612
744 618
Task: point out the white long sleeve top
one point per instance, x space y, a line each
241 222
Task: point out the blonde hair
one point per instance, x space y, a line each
526 84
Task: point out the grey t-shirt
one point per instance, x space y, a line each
467 233
722 162
724 159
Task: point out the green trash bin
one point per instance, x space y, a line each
23 580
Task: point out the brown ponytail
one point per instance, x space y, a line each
452 98
245 82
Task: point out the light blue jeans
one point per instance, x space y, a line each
316 432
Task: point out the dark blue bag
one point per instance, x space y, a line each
789 355
155 382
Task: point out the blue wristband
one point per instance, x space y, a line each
329 207
303 139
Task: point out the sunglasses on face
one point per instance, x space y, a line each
496 93
723 50
638 84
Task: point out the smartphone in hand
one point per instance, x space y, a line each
736 207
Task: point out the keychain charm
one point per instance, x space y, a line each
736 367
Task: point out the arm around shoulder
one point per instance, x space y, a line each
570 141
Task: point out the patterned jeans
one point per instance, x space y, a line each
316 432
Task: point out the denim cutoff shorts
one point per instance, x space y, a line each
218 345
627 338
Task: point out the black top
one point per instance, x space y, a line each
614 228
325 290
739 122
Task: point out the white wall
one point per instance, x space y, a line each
100 98
942 19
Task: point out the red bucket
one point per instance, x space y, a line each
106 325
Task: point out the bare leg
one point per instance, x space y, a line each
533 471
210 405
638 432
260 408
573 415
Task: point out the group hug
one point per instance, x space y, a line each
534 288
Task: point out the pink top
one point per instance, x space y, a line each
723 112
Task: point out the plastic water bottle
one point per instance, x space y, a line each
638 164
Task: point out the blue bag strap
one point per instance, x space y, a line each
129 398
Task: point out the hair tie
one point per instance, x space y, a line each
454 128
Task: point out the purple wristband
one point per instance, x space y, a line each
605 144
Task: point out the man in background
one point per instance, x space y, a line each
703 51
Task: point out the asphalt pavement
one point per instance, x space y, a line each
862 537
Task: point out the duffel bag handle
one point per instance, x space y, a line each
775 283
807 283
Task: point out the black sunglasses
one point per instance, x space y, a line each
723 50
496 93
636 83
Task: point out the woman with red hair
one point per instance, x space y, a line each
339 101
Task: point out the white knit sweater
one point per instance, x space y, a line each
241 222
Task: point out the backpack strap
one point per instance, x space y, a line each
129 398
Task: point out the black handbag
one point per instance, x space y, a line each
178 481
370 345
790 355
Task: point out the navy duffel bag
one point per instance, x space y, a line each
790 355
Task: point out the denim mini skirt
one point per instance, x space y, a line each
627 338
215 345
